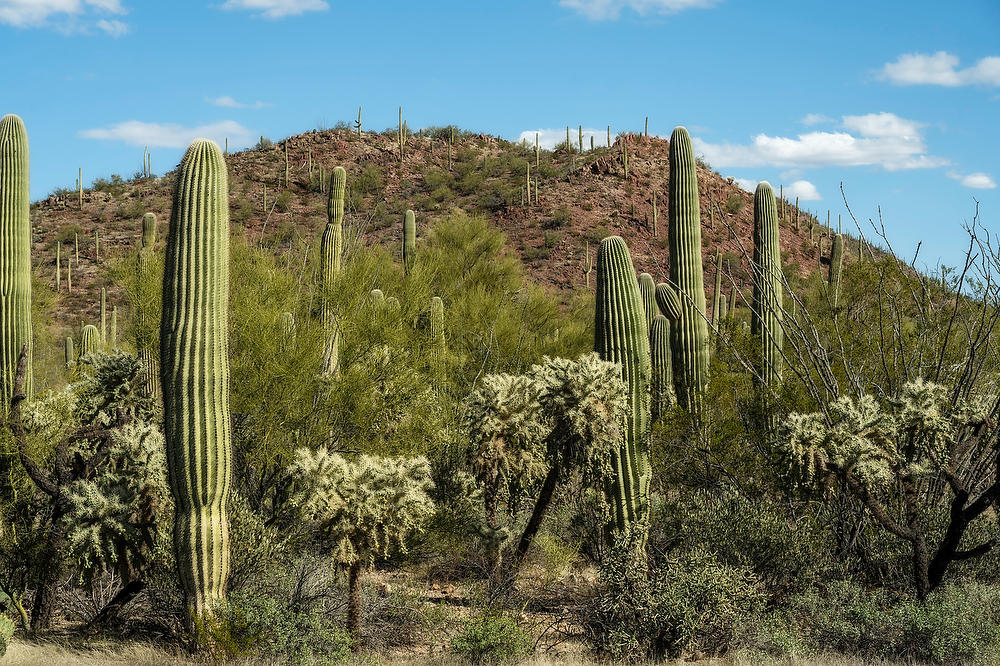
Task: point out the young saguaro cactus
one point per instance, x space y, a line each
717 299
621 336
409 240
70 356
15 256
90 340
836 265
661 386
647 290
331 251
145 338
194 373
689 335
767 284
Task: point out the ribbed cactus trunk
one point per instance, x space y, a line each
662 379
113 330
194 353
90 340
70 355
717 299
621 336
331 252
689 335
767 283
647 291
104 316
836 266
145 341
437 323
409 240
15 255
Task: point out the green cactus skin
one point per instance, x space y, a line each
194 375
410 240
437 323
104 315
90 340
767 284
836 265
588 262
145 344
689 336
723 312
647 290
70 357
377 299
732 303
392 306
113 331
717 296
661 385
58 265
331 251
621 336
15 255
668 301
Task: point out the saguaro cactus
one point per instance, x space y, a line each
90 340
689 335
717 299
15 255
113 331
145 339
409 240
104 316
836 264
767 283
661 386
194 352
621 336
331 249
647 290
70 357
437 322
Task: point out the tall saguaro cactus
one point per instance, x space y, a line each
836 265
90 340
717 299
621 336
194 373
15 255
409 240
145 340
661 386
688 335
331 251
767 283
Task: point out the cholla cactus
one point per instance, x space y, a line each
366 509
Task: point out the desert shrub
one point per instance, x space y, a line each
686 603
261 626
492 639
283 201
131 209
264 143
6 631
114 185
560 216
734 204
368 182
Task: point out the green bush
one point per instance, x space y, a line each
685 604
259 626
283 202
492 639
6 631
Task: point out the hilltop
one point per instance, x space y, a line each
581 197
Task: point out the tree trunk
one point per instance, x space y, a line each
354 604
51 569
535 522
110 612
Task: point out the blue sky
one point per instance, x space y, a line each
899 101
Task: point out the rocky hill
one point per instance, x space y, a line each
581 197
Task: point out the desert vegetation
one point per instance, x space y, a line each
394 432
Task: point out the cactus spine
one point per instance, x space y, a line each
410 240
90 340
144 338
689 335
331 250
836 264
437 322
647 291
767 284
113 332
15 255
621 336
194 351
661 385
70 357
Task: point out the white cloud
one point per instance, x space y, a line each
817 119
746 184
599 10
230 103
114 27
65 13
941 69
803 190
274 9
550 138
878 139
976 181
170 135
